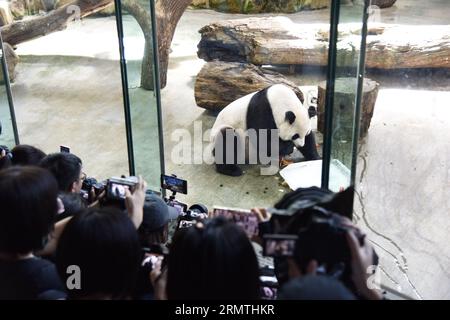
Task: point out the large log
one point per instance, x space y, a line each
278 41
220 83
56 20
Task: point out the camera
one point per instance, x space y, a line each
279 245
321 236
116 188
190 217
187 216
90 183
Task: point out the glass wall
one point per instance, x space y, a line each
207 72
136 35
346 85
403 178
67 88
8 133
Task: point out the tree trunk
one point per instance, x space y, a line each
168 13
344 105
56 20
279 41
143 18
220 83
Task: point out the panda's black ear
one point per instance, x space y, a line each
290 117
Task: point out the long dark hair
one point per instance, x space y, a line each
212 261
104 244
28 207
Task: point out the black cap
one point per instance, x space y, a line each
157 213
315 288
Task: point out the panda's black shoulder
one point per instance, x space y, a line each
259 112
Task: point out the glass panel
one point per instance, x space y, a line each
403 180
68 88
6 117
136 17
345 93
295 48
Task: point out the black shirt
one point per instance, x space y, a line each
29 279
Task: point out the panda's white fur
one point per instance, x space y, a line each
281 99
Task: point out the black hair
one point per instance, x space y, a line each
149 238
28 207
66 167
215 261
103 243
26 155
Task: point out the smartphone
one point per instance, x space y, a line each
279 245
173 184
116 188
64 149
242 217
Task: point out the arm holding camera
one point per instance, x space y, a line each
53 238
134 202
96 199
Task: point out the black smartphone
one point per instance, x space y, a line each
279 245
173 184
65 149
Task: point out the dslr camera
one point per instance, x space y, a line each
90 183
320 234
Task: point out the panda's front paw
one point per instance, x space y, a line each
229 170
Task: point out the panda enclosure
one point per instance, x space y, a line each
389 164
403 162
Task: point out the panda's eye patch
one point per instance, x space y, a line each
295 136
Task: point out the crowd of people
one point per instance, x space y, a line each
56 243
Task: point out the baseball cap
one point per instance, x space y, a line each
156 213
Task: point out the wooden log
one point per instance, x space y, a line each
220 83
344 106
383 3
279 41
56 20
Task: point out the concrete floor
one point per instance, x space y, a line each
71 94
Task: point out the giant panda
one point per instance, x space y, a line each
275 107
